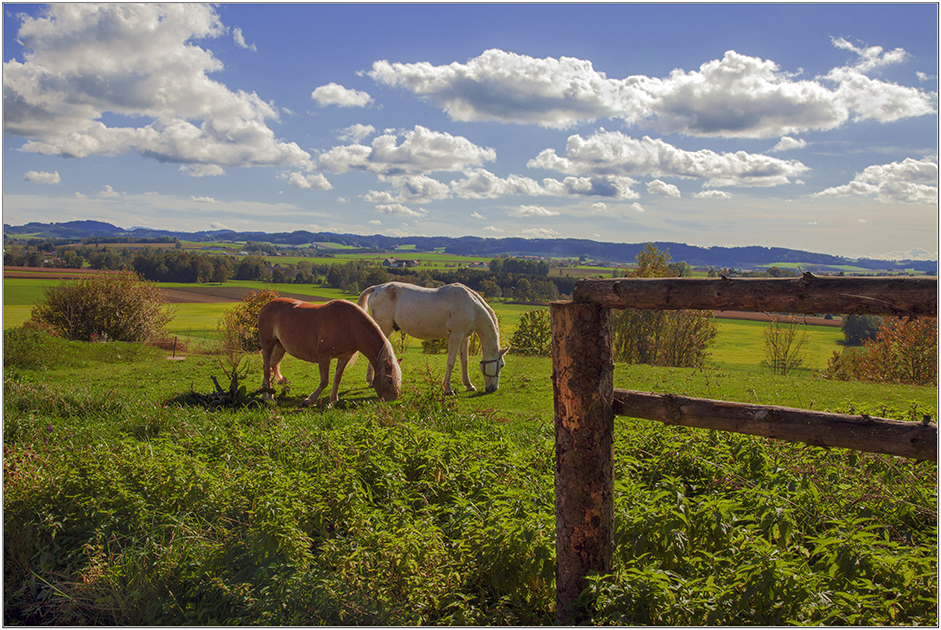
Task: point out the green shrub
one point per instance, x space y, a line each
239 326
533 337
860 328
902 352
108 306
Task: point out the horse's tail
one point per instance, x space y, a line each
364 296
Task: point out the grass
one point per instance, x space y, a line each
123 508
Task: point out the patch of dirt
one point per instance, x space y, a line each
222 294
48 273
837 321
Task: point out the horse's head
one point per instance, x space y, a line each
491 370
388 378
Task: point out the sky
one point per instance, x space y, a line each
807 126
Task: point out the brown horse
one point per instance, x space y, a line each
320 333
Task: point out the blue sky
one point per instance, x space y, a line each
809 126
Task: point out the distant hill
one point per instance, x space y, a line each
734 257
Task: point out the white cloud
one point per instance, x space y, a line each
636 207
240 40
410 188
356 133
398 210
599 207
335 94
202 199
613 153
538 233
535 211
788 143
712 194
915 253
736 96
202 170
109 193
492 228
316 181
41 177
478 216
422 151
137 61
659 187
873 56
909 181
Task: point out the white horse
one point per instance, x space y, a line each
451 312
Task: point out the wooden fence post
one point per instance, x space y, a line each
583 385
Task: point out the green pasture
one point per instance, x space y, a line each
739 344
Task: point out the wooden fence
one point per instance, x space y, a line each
585 401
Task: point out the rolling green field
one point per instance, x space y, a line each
739 344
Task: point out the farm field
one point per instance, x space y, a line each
739 344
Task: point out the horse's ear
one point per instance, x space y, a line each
400 360
504 350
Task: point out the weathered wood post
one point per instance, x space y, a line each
583 385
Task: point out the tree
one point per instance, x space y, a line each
533 337
858 329
668 338
239 326
902 352
120 306
784 347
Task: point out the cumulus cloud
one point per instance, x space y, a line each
599 207
41 177
735 96
915 253
356 133
712 194
478 216
335 94
316 181
202 199
137 61
788 143
659 187
202 170
636 207
613 153
535 211
480 183
109 193
538 233
398 210
411 188
422 151
909 181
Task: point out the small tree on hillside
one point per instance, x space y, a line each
858 329
784 346
116 306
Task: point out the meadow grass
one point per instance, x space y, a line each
123 507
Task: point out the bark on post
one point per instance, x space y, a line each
582 384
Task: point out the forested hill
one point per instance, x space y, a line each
735 257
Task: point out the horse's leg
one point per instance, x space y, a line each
271 353
464 375
324 376
454 343
341 365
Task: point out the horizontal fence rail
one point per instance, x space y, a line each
804 295
915 440
586 401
